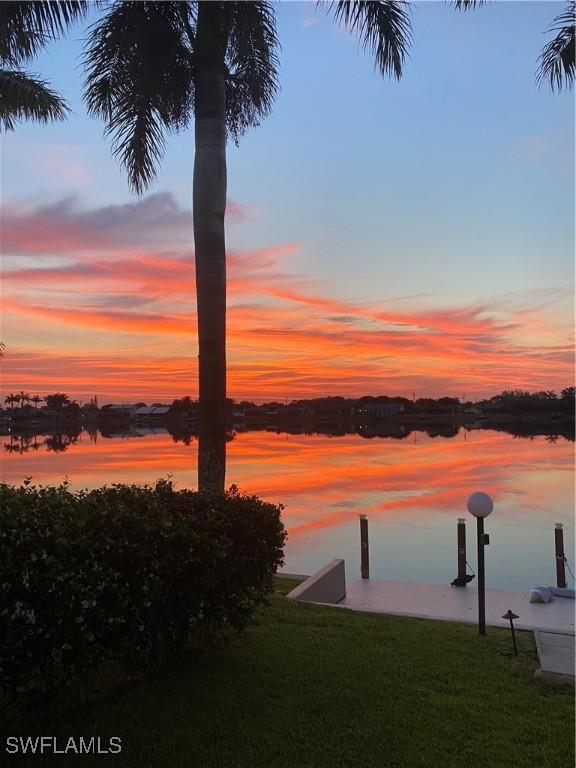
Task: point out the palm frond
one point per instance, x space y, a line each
26 27
25 97
252 64
465 5
139 80
384 27
138 138
557 62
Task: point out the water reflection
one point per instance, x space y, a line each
412 482
23 440
56 443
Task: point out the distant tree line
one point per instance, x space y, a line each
514 401
518 401
55 402
524 414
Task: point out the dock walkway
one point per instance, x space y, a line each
552 623
438 601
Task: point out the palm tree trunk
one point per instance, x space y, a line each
209 204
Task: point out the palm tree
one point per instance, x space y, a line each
25 28
151 69
557 61
36 399
22 397
57 401
11 399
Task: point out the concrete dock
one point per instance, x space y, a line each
438 601
552 623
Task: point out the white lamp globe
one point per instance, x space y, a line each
479 504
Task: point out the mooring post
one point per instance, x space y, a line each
560 556
461 548
364 556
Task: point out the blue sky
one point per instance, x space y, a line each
453 187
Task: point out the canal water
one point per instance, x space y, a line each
412 488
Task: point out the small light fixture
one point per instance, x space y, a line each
511 616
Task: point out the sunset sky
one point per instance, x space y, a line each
383 237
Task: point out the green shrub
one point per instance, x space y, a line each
124 573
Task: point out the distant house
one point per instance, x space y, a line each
378 410
296 412
117 411
151 412
254 414
331 410
494 405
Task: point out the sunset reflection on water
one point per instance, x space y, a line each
412 489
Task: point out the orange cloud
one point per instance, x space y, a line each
127 272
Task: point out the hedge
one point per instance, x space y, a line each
125 573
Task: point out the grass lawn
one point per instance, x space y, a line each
308 687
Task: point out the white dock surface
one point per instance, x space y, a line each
436 601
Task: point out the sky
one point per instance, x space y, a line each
383 237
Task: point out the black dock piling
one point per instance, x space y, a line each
364 555
560 556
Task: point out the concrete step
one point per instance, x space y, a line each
556 652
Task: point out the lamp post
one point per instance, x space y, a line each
481 505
